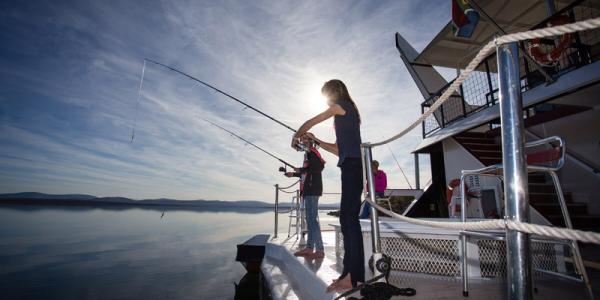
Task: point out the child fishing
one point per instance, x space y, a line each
311 188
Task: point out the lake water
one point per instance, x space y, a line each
60 252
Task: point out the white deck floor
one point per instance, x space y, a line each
292 277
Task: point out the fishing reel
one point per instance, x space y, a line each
304 145
383 265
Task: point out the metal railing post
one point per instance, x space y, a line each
515 172
464 261
302 214
443 124
489 82
375 240
417 175
276 211
423 124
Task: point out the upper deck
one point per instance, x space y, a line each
475 104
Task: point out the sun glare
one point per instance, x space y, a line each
315 100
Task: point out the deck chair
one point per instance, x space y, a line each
549 159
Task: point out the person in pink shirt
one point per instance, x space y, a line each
380 179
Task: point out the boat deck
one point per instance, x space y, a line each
292 277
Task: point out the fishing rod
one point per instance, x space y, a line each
250 143
221 92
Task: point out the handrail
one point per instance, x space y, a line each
548 141
573 155
483 53
429 128
436 94
292 208
288 192
287 187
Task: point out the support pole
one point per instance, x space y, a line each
464 258
276 211
515 172
550 7
375 240
417 175
303 230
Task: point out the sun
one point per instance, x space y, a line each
316 102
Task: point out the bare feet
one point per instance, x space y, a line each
303 252
316 255
342 284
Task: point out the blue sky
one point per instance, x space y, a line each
70 70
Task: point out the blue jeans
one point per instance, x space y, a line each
311 203
366 211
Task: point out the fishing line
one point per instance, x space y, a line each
248 142
137 102
399 167
246 105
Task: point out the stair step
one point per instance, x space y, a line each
551 198
587 222
489 156
474 134
475 140
543 117
488 151
490 161
536 178
540 187
478 146
554 209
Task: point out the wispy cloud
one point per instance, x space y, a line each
70 72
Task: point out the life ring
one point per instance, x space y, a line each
551 58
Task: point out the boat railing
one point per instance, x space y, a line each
514 164
480 90
293 209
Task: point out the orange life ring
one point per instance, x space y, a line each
550 58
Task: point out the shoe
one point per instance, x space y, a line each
316 255
303 252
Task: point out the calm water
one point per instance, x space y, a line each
58 252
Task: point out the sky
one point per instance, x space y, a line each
70 73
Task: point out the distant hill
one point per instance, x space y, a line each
33 195
75 199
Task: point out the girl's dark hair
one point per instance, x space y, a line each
336 91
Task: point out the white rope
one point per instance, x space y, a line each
474 225
483 53
501 224
550 31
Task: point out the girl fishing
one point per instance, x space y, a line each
347 147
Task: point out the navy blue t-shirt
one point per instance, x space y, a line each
347 131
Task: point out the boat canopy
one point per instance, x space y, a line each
447 50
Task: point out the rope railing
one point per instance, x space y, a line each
288 192
499 224
287 187
483 53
